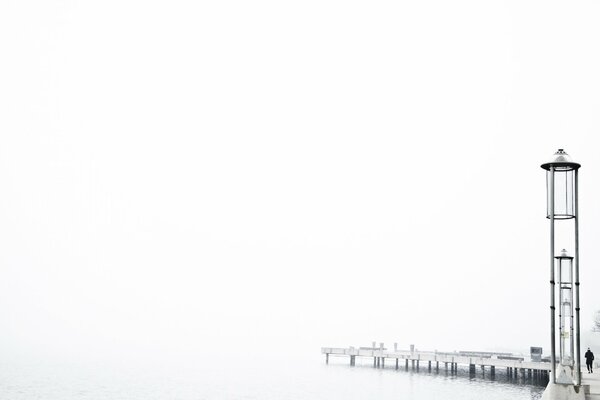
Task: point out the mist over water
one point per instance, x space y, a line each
267 377
198 195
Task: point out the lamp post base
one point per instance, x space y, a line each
564 375
557 391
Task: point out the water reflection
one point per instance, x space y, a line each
508 383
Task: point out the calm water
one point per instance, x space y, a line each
255 378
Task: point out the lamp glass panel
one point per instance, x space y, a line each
563 193
566 270
566 320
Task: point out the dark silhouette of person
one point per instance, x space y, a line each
589 358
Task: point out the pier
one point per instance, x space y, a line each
514 366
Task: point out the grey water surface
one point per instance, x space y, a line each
255 378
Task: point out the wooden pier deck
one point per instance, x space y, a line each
447 360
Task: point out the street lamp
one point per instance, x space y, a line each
562 204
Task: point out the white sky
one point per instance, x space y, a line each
183 176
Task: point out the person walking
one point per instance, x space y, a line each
589 358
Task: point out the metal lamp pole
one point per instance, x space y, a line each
562 204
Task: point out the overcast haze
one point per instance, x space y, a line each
181 177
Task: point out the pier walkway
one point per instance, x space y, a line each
514 365
592 392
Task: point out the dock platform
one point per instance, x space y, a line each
514 365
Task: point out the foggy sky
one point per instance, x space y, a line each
184 177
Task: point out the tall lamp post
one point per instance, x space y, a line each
562 204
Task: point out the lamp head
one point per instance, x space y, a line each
564 255
561 161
